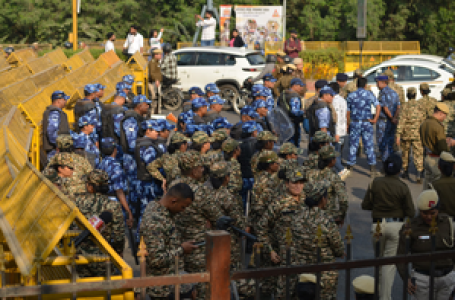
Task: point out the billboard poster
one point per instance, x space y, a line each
225 24
259 24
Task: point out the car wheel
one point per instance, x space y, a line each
172 99
229 93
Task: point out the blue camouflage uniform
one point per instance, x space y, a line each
53 125
117 119
385 132
95 113
270 100
221 123
117 179
82 138
296 111
99 108
359 105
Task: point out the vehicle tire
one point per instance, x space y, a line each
172 99
229 93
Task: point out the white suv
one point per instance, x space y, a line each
228 67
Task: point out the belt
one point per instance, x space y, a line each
388 220
437 273
363 120
432 155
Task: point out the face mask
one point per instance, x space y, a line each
411 96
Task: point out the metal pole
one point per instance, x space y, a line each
284 20
377 244
74 25
347 282
360 56
406 273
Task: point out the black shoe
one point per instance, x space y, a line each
405 174
419 177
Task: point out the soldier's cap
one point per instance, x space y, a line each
157 51
316 189
151 124
320 83
382 78
389 74
266 136
322 137
260 93
363 285
311 278
297 81
269 77
200 137
342 77
221 122
229 145
178 137
327 90
64 141
358 72
99 86
257 87
411 90
198 103
63 159
196 90
280 53
52 175
289 148
220 169
91 88
443 107
141 99
297 61
424 86
128 79
79 142
185 117
216 100
445 92
191 128
220 135
245 110
211 87
120 93
98 177
86 120
296 174
165 124
59 95
189 160
259 104
268 156
446 156
249 127
122 86
107 142
427 200
328 152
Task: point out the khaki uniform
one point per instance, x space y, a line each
284 83
154 75
445 187
399 90
351 87
434 142
420 242
277 71
412 115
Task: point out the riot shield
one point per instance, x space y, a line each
282 123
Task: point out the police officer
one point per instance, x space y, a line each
388 119
247 148
427 101
396 87
320 114
260 106
269 84
55 122
421 242
342 80
434 142
284 82
408 134
363 287
161 238
126 88
390 201
88 107
118 187
62 166
319 140
86 126
199 108
236 130
279 64
155 77
360 122
183 119
265 142
194 92
222 123
211 90
445 186
290 102
231 152
129 81
216 106
191 169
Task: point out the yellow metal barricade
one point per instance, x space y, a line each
272 47
16 93
48 76
3 62
73 63
57 56
139 69
86 56
101 66
17 58
81 75
14 75
110 57
40 64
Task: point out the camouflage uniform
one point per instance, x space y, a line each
305 240
396 87
313 158
412 115
92 205
427 102
163 243
262 136
337 189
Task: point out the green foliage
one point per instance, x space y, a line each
322 63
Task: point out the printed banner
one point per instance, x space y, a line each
225 24
259 24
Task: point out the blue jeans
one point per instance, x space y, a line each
208 43
339 148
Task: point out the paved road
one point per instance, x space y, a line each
360 220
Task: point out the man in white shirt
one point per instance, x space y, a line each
208 29
110 42
134 42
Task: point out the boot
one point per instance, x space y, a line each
419 177
405 174
373 172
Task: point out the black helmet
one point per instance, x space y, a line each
167 48
270 58
287 59
68 45
9 50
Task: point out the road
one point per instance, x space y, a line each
360 220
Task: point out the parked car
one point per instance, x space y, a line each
228 67
445 62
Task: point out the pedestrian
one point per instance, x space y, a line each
216 106
340 106
194 92
169 66
265 142
155 76
420 236
55 122
428 102
236 40
292 45
408 135
208 25
162 240
86 126
434 142
445 185
134 43
390 202
109 46
396 87
306 240
388 119
320 114
290 102
231 152
360 122
155 39
363 287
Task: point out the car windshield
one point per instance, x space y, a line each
255 59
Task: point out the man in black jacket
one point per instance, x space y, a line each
238 41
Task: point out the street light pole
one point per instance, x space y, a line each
74 25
